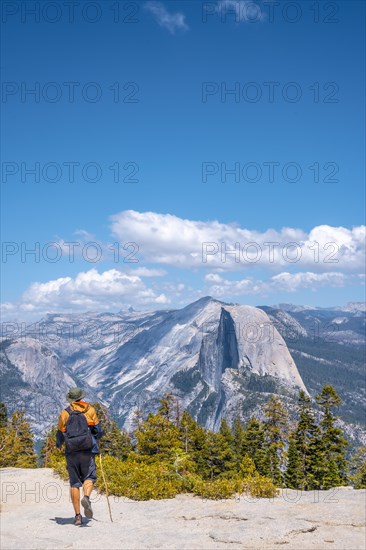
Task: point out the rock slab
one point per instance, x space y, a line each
36 513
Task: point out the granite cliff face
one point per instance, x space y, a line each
33 378
219 360
328 346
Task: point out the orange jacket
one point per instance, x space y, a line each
86 408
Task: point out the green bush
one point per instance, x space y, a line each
142 480
138 480
215 489
259 486
59 466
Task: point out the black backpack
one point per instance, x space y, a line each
78 436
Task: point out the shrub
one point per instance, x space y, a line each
259 486
138 480
216 489
58 463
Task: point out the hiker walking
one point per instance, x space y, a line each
79 429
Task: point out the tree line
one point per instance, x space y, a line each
169 452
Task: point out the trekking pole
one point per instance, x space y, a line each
106 487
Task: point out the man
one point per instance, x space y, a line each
79 429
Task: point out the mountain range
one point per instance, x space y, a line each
220 360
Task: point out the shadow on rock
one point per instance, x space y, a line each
69 521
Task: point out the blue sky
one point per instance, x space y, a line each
149 98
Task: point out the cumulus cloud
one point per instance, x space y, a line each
291 282
169 240
285 260
220 287
170 21
89 290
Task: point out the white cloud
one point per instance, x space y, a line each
326 257
220 287
291 282
90 290
146 272
169 240
171 21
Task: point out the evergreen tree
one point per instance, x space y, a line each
138 418
49 452
230 464
217 455
3 415
275 429
358 476
115 441
225 431
4 437
238 441
167 406
293 474
192 437
331 477
247 467
158 436
254 445
17 443
309 446
333 443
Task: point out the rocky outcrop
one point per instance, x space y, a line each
37 514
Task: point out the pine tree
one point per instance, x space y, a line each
217 455
6 448
193 438
225 431
293 474
333 443
3 415
331 477
115 441
247 467
309 446
254 445
49 453
317 465
138 418
167 406
158 437
19 443
275 429
4 443
358 476
230 464
238 441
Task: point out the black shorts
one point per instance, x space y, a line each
81 466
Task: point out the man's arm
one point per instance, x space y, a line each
59 439
62 419
94 424
97 431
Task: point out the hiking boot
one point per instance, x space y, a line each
85 501
77 520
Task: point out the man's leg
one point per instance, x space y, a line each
89 476
87 487
75 498
73 469
85 501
